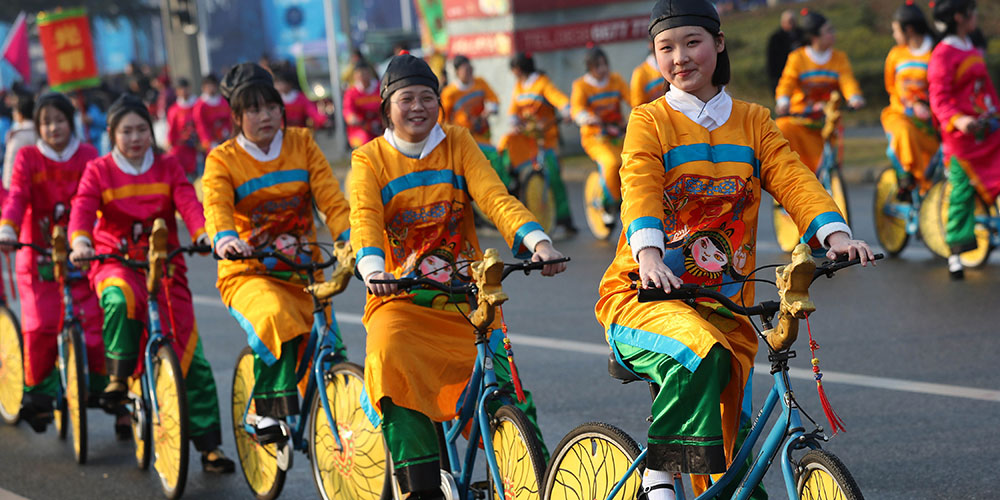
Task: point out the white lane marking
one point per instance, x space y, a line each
893 384
10 495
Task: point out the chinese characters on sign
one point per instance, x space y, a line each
68 48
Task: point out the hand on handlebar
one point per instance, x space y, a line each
231 245
653 273
381 289
81 250
841 244
545 251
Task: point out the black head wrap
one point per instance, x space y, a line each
909 13
240 76
812 22
405 70
669 14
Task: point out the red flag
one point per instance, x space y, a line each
15 48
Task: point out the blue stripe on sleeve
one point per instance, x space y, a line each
517 247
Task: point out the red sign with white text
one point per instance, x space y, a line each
481 44
568 36
68 49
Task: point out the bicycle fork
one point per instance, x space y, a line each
61 343
152 345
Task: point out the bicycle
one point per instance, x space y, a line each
828 173
347 457
157 398
599 461
513 453
531 177
897 209
602 214
934 217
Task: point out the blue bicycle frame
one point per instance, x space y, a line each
484 380
910 212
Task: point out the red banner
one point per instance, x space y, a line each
522 6
461 9
481 44
568 36
68 48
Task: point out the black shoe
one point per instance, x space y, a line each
123 425
217 463
270 434
644 492
37 410
958 275
113 397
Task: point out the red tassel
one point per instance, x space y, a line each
510 359
836 423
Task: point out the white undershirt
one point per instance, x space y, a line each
820 58
60 156
254 151
958 43
126 166
211 100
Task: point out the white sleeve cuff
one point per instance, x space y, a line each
492 108
7 233
533 238
369 264
82 239
826 230
784 100
645 238
584 118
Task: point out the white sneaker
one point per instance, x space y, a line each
955 268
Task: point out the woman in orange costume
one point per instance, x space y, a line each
811 74
907 120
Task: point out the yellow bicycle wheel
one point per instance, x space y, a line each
170 423
822 476
357 470
934 222
890 230
141 428
76 390
593 199
537 197
839 193
258 462
518 454
785 230
589 461
11 367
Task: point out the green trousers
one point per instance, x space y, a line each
412 437
558 187
275 390
686 433
960 231
50 385
499 162
122 345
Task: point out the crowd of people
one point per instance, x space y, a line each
683 171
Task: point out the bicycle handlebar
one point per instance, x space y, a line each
144 264
17 245
283 258
409 283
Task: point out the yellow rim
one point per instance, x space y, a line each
593 199
514 463
933 216
590 468
356 471
73 396
135 392
540 201
820 485
785 230
259 463
167 427
891 230
839 195
972 258
11 369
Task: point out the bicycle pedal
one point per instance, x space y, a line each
284 457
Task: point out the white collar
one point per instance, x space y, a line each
462 86
257 154
594 82
290 97
125 166
651 61
958 43
62 156
711 115
820 58
211 100
186 103
24 125
925 47
368 89
530 80
409 148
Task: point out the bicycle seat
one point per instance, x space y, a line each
616 370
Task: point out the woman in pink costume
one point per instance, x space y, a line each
43 181
964 102
361 107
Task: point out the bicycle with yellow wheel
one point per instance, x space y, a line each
514 457
532 177
346 451
828 173
157 398
11 363
598 461
599 207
